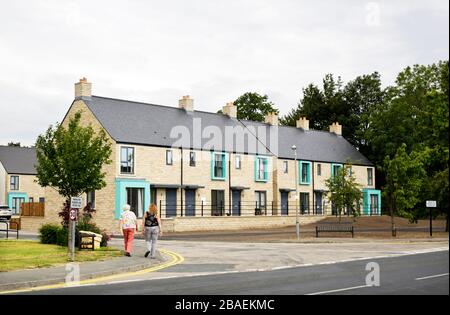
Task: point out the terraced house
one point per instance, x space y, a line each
212 171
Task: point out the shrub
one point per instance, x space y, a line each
62 237
105 239
48 233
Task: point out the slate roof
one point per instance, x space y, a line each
150 124
17 160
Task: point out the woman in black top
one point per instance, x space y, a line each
152 229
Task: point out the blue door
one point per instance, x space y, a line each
236 203
171 202
284 203
190 202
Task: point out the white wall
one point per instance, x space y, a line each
3 200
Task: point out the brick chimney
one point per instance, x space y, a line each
303 123
230 110
186 103
336 128
83 88
272 119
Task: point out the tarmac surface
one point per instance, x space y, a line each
420 274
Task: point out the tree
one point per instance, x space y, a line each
321 107
415 112
362 96
350 105
404 179
439 191
71 160
345 193
14 144
254 107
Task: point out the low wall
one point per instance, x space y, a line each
32 224
193 224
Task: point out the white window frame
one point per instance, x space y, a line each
169 157
238 162
133 149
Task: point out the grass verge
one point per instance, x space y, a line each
16 255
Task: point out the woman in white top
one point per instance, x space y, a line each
128 226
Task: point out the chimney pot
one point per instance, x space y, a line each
336 128
186 103
83 88
303 123
230 110
272 119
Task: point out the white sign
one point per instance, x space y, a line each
75 202
431 204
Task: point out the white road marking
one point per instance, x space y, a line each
432 277
67 286
340 290
125 281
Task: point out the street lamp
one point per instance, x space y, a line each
297 224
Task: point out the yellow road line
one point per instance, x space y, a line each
175 260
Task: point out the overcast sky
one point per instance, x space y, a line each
157 51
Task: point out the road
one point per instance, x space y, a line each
406 275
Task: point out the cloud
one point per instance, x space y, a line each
156 51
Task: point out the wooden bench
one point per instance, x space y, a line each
335 228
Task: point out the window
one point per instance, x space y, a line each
90 198
238 162
285 167
217 202
370 176
30 199
14 183
304 202
153 196
335 168
319 169
16 203
135 198
350 170
192 158
127 160
374 204
261 173
169 157
218 166
305 173
261 202
41 200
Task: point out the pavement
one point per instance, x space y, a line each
64 274
419 274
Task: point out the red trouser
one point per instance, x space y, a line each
128 237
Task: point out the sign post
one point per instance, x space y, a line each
75 205
430 205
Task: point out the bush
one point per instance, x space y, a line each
48 233
62 237
105 239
